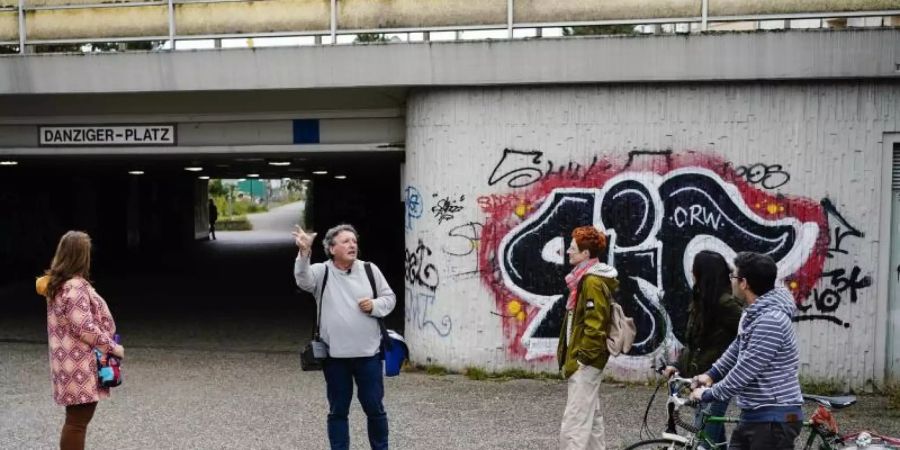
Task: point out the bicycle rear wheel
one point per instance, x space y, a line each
657 444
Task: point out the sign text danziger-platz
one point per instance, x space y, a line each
99 135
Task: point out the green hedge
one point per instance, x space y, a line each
235 223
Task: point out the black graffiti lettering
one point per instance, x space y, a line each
518 176
446 208
768 176
838 234
667 154
821 317
465 239
419 272
852 283
646 245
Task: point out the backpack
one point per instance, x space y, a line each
621 327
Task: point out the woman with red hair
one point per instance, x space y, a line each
582 351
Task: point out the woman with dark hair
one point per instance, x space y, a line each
78 321
713 317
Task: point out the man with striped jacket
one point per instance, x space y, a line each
761 366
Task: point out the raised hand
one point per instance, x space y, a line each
303 239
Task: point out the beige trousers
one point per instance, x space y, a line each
582 423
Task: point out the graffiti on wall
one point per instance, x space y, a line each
446 207
414 206
659 210
839 283
420 270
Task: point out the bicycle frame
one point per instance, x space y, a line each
821 424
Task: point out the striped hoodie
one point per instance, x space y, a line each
761 366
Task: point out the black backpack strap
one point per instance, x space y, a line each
371 275
385 340
321 304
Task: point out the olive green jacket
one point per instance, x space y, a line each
703 349
589 322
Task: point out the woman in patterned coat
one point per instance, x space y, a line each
78 321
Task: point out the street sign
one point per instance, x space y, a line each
106 135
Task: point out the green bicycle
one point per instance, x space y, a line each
822 425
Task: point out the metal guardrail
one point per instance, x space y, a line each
703 21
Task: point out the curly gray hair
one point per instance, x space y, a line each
332 232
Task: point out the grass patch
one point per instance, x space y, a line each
475 373
430 369
892 391
234 223
822 387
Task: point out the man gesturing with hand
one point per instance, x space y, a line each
349 327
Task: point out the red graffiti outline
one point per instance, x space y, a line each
502 218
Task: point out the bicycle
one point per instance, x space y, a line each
822 425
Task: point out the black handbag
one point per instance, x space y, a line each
315 351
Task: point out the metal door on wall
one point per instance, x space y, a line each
893 319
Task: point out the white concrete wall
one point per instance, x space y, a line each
480 264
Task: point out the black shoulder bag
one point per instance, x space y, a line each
316 351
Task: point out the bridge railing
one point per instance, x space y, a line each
28 23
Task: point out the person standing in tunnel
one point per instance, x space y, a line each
78 321
582 351
213 217
713 316
350 328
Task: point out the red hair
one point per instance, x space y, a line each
590 239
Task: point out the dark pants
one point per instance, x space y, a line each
75 428
339 376
764 436
212 230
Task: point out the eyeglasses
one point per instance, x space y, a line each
735 277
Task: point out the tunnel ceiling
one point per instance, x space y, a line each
301 166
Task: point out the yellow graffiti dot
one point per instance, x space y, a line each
772 208
521 316
514 307
521 210
794 285
781 209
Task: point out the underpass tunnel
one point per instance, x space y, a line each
164 281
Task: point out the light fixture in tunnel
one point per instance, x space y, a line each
203 177
252 175
241 179
320 172
305 180
135 172
193 169
9 163
279 163
340 177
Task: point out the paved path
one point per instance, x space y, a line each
259 399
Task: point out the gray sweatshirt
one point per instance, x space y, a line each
349 332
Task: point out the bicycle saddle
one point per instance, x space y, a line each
832 402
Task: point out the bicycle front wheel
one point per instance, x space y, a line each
657 444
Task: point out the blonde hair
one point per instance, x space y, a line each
72 258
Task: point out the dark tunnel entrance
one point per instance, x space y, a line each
166 284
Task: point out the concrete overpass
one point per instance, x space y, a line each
429 132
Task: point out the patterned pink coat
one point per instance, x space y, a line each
78 321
